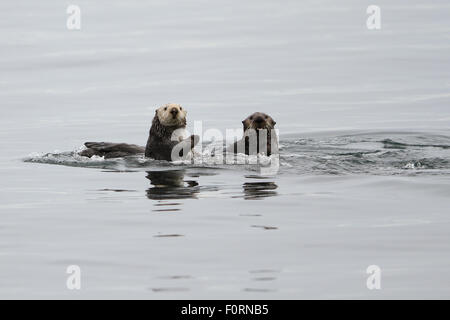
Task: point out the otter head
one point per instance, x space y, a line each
257 121
171 115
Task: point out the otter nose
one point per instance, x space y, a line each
259 120
174 111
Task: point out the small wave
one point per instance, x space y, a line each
382 153
430 163
65 158
389 143
412 165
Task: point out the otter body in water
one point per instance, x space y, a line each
166 140
259 136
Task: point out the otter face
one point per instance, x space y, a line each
171 115
257 121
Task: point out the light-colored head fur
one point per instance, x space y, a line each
172 115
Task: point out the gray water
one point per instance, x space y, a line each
364 160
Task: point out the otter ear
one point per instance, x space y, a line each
245 123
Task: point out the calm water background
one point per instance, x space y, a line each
363 117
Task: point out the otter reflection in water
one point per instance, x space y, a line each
259 190
170 185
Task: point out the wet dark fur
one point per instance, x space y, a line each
159 146
266 122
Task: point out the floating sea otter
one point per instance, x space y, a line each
165 141
259 135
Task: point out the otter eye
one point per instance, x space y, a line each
251 118
181 108
165 108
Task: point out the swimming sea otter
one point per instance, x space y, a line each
259 135
165 141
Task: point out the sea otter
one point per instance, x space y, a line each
259 135
165 142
